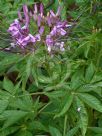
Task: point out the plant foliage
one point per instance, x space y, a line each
53 95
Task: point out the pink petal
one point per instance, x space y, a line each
35 9
38 37
41 30
62 31
39 20
52 13
19 15
41 8
58 11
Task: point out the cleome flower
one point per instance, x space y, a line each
20 28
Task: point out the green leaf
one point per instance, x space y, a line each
24 133
97 77
36 125
29 64
22 103
34 74
72 132
89 72
8 85
4 95
63 13
44 79
9 130
12 116
91 100
8 60
56 94
68 102
100 122
83 116
54 131
76 79
3 105
97 130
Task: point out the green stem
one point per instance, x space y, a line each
65 125
31 94
44 107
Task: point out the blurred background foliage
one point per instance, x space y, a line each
41 95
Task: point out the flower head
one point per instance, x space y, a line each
22 36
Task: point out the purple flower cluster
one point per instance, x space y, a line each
20 34
57 31
20 30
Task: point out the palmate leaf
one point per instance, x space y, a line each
8 85
21 103
65 71
90 72
9 94
91 100
84 48
44 79
3 105
25 103
36 125
97 130
51 73
77 79
8 131
12 116
56 94
97 77
52 76
4 95
54 131
8 60
83 116
68 102
23 71
72 132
